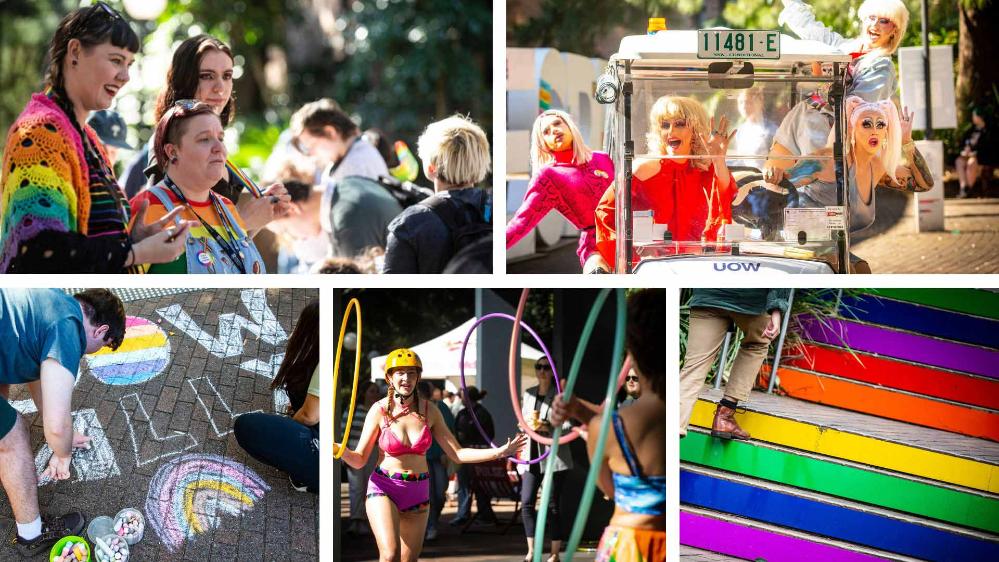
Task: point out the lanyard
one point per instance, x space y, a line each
230 247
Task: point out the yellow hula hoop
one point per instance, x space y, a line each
356 306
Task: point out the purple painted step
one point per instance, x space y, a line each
750 543
901 345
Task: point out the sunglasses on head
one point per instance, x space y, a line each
675 124
100 9
871 124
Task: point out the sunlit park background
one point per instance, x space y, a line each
395 65
594 28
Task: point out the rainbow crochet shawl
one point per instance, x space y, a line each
44 182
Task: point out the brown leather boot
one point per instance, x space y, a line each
724 426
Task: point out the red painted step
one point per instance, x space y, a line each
892 373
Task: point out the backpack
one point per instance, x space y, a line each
466 225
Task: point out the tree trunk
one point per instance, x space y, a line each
978 73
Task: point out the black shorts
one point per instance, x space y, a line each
8 417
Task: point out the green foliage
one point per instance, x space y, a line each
820 304
410 63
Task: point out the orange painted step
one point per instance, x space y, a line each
890 404
893 373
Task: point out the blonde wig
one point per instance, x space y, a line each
891 151
457 148
895 11
541 156
677 107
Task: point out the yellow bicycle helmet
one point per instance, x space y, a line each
402 357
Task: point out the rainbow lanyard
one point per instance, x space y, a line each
235 172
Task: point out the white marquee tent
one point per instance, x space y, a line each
440 356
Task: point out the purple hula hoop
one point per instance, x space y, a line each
464 387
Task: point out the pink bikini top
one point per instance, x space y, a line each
391 445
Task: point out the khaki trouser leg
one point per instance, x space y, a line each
704 339
749 359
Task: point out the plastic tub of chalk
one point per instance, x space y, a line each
111 548
129 524
99 527
70 549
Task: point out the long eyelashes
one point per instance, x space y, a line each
870 124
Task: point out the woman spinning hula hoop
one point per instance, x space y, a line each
633 464
399 489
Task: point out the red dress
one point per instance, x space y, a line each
685 198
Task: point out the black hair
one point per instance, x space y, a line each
92 26
645 333
102 307
301 356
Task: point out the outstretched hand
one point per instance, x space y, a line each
906 118
513 446
717 142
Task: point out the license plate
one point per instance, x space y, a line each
738 44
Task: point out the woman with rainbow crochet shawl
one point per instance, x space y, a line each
60 207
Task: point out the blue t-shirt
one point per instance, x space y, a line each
38 324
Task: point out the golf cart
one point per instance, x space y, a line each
771 231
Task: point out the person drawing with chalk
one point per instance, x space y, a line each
46 333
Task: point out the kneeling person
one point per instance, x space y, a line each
46 333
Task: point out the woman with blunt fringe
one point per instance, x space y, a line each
568 177
291 443
633 466
202 70
60 207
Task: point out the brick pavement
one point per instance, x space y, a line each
210 378
969 245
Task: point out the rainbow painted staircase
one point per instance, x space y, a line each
888 453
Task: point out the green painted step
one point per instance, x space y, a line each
843 480
968 301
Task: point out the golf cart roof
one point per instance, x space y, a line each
674 46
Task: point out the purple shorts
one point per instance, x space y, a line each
409 491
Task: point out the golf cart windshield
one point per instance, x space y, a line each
677 206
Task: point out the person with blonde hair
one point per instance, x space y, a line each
878 138
692 196
568 177
870 76
455 156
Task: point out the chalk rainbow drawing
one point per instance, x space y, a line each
188 495
142 355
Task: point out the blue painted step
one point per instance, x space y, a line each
831 520
924 320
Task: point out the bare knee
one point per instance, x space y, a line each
16 440
392 556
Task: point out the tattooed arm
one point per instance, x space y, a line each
914 176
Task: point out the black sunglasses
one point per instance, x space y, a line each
100 9
542 367
631 378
